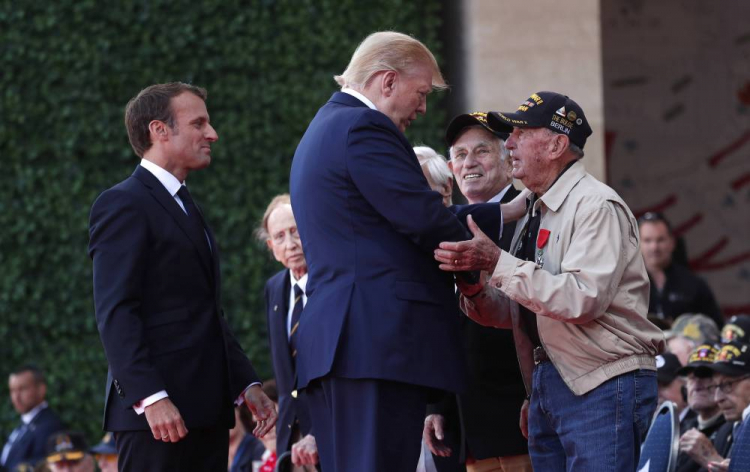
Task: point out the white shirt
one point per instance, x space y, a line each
360 97
302 282
172 185
745 413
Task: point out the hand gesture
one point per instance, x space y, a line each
478 253
263 410
305 451
433 435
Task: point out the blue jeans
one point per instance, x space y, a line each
599 431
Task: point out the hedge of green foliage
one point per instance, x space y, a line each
69 67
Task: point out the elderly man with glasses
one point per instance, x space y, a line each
731 391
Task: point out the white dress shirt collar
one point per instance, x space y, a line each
360 97
168 180
302 282
500 195
29 416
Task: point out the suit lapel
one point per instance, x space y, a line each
169 204
282 294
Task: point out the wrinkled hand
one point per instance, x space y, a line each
523 422
434 434
262 408
165 421
696 445
478 253
305 451
722 466
516 208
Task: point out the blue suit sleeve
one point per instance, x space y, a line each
118 247
388 175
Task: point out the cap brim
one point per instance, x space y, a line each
65 456
457 124
505 122
103 449
730 370
702 369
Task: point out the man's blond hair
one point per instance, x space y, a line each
384 51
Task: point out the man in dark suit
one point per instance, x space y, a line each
285 297
27 442
175 369
380 331
480 428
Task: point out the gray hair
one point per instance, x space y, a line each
435 165
577 151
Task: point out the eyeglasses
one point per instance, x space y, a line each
727 387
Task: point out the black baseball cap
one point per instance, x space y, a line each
66 446
667 366
549 110
460 122
703 356
107 446
733 359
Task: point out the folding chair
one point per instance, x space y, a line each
659 450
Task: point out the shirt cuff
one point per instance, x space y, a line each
241 398
140 406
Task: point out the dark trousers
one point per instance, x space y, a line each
201 450
366 425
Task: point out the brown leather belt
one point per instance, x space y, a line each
540 355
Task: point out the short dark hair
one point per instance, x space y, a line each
654 217
36 372
153 103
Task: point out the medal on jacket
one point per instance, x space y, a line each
541 241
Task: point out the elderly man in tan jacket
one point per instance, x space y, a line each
574 289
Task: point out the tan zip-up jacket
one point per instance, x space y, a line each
590 293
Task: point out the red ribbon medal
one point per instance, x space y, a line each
541 241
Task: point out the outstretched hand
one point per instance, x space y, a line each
263 410
478 253
165 421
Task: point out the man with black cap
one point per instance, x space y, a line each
574 289
701 430
731 387
480 427
67 452
737 329
671 386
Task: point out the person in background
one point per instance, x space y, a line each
67 452
27 441
688 332
478 429
105 453
674 288
285 299
436 172
671 387
244 448
701 430
737 329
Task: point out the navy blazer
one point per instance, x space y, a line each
378 305
158 309
31 446
291 409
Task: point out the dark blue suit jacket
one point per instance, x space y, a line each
378 306
31 447
291 409
158 309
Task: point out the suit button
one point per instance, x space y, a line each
498 284
294 394
118 388
276 308
289 426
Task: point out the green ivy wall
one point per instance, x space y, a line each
69 67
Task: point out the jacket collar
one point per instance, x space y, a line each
346 99
555 196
